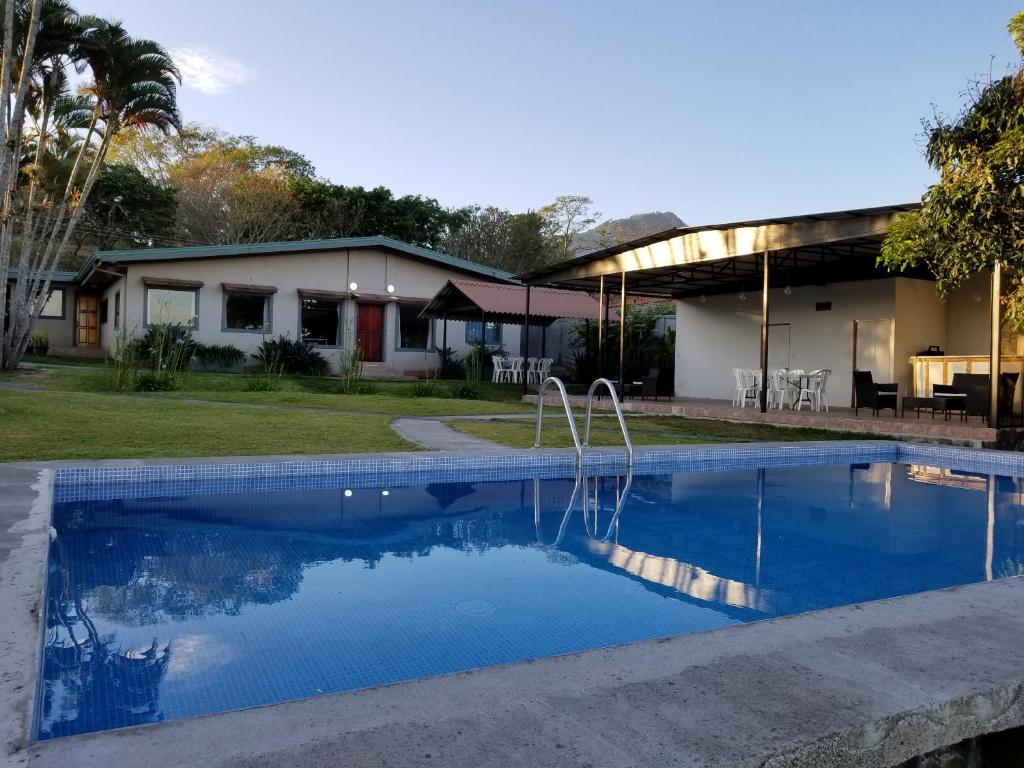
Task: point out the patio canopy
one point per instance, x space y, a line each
813 249
502 303
689 262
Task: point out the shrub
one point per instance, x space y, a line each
124 362
466 390
223 355
38 343
451 367
423 389
284 355
171 351
350 365
262 383
169 348
155 381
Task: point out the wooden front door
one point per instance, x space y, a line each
87 321
370 332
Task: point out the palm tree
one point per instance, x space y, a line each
134 84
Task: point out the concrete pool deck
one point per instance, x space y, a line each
871 684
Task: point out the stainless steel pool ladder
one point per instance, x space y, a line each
586 424
618 413
568 414
613 524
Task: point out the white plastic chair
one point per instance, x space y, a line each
532 370
813 393
516 371
544 367
501 371
777 388
746 386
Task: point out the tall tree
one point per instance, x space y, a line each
133 83
127 210
567 217
973 216
237 191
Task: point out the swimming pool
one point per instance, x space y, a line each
178 591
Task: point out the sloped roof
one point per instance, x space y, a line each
809 249
501 302
55 277
292 246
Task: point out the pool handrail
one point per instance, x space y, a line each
568 414
618 413
565 518
613 524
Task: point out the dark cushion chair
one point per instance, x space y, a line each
976 388
868 394
647 386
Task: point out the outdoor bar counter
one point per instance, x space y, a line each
939 369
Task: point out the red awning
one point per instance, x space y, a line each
469 299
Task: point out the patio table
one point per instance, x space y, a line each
947 403
797 381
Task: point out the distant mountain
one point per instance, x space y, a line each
615 231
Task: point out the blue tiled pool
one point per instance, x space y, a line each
182 591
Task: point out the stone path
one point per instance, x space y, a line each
434 434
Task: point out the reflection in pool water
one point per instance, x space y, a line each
167 607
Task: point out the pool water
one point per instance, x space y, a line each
160 608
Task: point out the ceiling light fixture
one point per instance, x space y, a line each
353 285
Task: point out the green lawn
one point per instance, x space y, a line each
391 398
69 425
643 430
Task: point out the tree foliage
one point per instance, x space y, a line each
54 145
127 210
974 215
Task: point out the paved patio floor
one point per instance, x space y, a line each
973 432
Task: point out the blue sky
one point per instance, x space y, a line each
717 111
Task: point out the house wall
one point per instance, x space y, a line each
372 270
723 332
60 331
108 330
967 318
921 322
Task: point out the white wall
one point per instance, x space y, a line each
371 270
722 333
921 322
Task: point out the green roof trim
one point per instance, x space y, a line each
55 277
295 246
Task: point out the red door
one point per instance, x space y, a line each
370 332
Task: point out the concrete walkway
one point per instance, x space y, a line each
438 436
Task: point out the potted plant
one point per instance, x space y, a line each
38 344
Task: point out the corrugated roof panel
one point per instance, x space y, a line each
496 298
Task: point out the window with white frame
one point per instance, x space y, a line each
170 306
54 306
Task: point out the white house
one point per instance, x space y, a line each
335 293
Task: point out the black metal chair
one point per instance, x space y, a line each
868 394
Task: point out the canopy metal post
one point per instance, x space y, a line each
622 338
763 394
602 320
995 345
444 343
483 346
524 346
